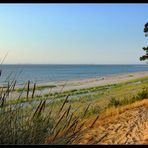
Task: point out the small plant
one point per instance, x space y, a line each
114 102
130 75
94 110
143 94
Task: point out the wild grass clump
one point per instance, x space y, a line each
59 122
143 94
114 102
125 101
39 124
37 88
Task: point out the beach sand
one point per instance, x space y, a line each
81 83
90 82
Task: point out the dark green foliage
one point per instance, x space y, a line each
114 102
146 27
145 57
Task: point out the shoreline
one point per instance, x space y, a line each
97 81
81 83
92 81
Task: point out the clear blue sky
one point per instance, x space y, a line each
72 33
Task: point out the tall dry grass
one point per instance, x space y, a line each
41 125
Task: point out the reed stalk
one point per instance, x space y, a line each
63 104
28 88
94 121
86 110
34 86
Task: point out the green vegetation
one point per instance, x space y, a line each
92 92
37 88
57 118
145 57
141 95
38 124
114 102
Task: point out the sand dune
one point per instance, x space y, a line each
129 126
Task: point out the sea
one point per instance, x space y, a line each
41 73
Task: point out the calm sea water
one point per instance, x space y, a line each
45 73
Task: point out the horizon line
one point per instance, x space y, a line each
70 64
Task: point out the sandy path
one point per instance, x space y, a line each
130 127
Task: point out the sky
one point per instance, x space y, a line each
72 33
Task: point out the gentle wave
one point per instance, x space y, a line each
45 73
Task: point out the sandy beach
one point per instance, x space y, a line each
90 82
81 83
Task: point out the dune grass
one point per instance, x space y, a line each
93 92
38 124
62 121
37 88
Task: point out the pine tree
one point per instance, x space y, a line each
145 57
